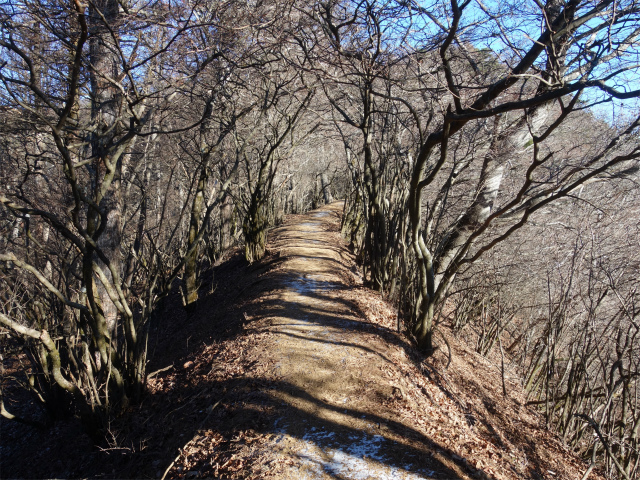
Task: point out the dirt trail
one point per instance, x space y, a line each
333 386
332 375
318 385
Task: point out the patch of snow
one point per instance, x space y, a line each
308 284
361 459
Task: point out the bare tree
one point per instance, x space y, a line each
94 90
526 99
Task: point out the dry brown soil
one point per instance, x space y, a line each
292 369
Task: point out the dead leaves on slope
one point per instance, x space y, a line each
462 409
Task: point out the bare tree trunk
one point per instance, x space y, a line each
226 212
256 222
328 198
106 168
190 268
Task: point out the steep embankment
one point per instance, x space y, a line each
320 386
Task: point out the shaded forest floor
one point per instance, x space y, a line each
290 368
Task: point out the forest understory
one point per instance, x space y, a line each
291 368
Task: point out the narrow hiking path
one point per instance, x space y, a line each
318 385
334 423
